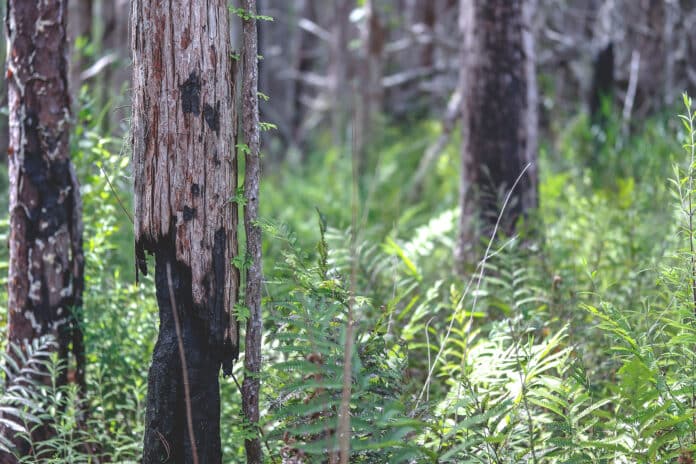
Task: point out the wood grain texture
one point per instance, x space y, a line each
184 156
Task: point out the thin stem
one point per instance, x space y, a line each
344 409
481 268
523 386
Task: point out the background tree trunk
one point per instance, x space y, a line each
80 26
46 261
499 116
115 76
338 71
185 169
370 88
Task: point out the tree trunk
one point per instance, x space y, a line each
338 71
499 117
252 177
46 261
4 129
303 63
602 82
429 17
115 75
80 21
371 86
185 170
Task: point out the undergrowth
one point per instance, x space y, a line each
576 346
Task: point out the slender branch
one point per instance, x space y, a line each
118 199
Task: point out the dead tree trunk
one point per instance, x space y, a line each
185 170
46 261
499 115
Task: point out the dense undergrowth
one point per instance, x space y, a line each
576 345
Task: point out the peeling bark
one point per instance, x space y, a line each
185 169
499 116
46 271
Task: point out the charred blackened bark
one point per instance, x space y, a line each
499 115
602 81
166 431
46 260
185 178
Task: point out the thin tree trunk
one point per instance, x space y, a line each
80 21
304 63
429 17
4 129
254 275
371 87
499 116
114 43
46 261
185 175
338 71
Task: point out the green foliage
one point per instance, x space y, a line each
576 346
245 15
305 379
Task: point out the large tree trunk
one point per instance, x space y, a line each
499 117
46 260
185 169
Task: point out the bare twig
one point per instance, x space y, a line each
100 65
118 199
631 92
